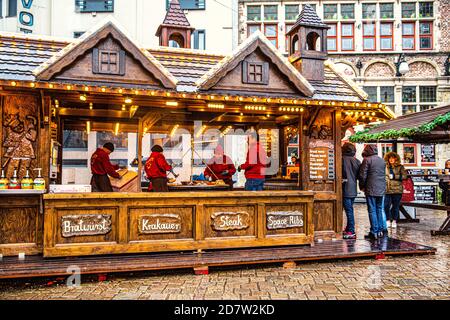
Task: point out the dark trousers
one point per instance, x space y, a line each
392 206
159 185
349 212
101 183
375 208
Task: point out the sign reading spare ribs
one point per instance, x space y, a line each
284 219
85 225
159 223
226 221
321 160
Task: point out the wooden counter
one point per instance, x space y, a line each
101 223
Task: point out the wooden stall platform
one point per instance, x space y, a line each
37 266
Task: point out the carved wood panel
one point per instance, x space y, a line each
230 221
285 219
19 134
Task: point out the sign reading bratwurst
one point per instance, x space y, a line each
85 225
159 223
226 221
284 219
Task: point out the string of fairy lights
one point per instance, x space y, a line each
359 111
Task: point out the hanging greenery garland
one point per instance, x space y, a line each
365 136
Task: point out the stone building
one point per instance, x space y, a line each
365 40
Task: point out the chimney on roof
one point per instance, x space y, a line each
308 44
175 31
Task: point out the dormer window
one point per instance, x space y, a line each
108 62
255 72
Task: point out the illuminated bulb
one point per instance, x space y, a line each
124 107
168 94
240 98
373 113
320 103
227 98
242 114
357 104
86 88
367 113
172 103
308 102
199 96
333 103
50 86
153 93
136 92
212 97
296 109
69 87
369 105
103 89
282 101
301 109
32 84
91 106
280 108
83 97
295 101
120 91
268 100
254 99
13 83
128 100
184 95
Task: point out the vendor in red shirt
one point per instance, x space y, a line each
101 168
220 167
255 164
156 169
295 161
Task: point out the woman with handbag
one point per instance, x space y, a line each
395 174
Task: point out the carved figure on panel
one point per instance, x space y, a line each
19 136
323 132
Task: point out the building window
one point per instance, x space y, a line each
426 35
408 109
409 94
198 40
251 28
330 11
332 37
108 62
408 36
270 13
271 33
427 94
291 12
372 92
408 10
348 11
78 34
386 10
425 9
369 36
94 5
255 72
387 94
347 36
386 36
12 8
369 10
312 5
254 13
409 154
189 4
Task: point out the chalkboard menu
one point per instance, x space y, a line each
426 194
428 154
424 175
321 160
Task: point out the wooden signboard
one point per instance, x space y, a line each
227 221
284 219
159 223
321 160
428 155
85 225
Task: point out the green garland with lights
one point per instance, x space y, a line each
365 136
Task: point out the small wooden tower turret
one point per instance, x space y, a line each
308 44
175 31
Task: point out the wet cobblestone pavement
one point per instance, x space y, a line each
404 277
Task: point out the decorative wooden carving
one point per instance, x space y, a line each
85 225
322 132
284 219
159 223
226 221
20 133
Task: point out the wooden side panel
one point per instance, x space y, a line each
324 216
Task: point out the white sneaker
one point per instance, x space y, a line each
394 224
388 224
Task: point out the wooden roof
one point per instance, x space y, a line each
25 57
308 17
175 17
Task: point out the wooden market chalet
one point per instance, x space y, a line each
105 78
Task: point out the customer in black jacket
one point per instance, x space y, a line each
350 169
372 181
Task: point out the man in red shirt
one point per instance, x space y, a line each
255 164
101 167
220 167
156 169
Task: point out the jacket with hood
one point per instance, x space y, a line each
395 185
372 174
350 169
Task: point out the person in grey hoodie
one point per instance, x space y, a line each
350 169
372 181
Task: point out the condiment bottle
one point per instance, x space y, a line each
26 183
14 181
4 182
39 182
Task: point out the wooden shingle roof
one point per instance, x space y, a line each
175 17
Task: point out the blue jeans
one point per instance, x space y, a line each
375 208
348 208
392 206
254 184
383 218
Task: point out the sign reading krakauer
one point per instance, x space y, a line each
85 225
159 223
284 219
226 221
